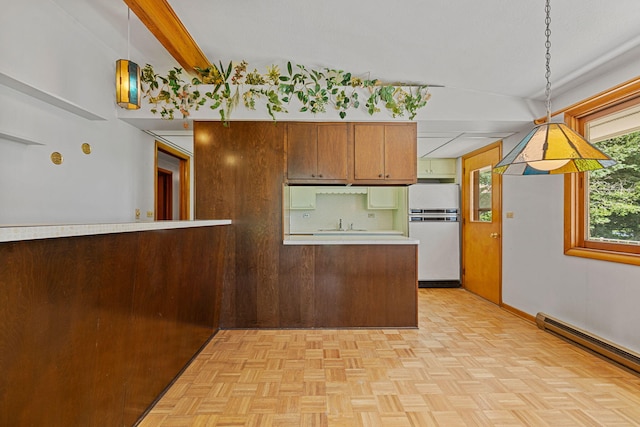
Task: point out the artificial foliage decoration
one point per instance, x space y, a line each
309 90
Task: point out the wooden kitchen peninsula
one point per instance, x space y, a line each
98 319
358 281
240 170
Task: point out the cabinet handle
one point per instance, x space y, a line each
313 176
388 176
320 176
379 175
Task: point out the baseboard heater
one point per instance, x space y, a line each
607 349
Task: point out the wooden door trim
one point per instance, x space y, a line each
464 206
185 178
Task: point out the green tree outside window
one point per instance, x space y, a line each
614 193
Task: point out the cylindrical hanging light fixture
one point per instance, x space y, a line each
552 148
128 79
127 84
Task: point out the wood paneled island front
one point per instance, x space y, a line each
240 170
355 281
98 319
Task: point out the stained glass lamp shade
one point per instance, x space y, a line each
128 78
552 148
127 84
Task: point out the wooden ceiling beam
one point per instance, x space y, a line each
158 16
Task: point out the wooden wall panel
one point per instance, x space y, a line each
172 308
297 279
239 174
95 327
55 330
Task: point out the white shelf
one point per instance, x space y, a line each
18 139
50 99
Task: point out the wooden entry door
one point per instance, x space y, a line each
482 223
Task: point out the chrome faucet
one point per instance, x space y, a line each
340 225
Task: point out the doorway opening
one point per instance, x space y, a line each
164 195
172 183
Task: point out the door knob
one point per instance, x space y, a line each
494 235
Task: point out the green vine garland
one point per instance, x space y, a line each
313 89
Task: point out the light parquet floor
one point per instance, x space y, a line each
469 364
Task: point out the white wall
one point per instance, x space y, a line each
47 51
598 296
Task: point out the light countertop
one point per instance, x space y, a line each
33 232
341 239
349 232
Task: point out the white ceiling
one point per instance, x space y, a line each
488 54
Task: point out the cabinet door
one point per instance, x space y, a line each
382 198
302 197
332 151
437 168
443 167
369 152
302 156
424 167
400 153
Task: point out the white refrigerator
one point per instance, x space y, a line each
434 219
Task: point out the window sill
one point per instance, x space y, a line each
619 257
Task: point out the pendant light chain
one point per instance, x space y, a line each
128 92
129 32
570 153
547 44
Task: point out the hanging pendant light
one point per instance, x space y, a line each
552 148
128 78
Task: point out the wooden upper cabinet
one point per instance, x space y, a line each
332 151
400 152
358 153
385 153
317 152
302 145
368 152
